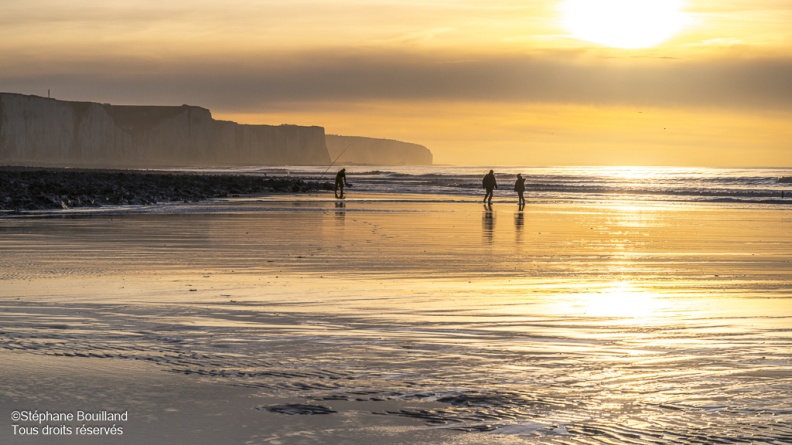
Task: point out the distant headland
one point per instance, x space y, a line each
363 150
40 131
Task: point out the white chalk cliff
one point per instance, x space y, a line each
372 151
38 131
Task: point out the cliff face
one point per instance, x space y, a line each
362 150
39 131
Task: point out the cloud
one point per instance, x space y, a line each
278 80
717 42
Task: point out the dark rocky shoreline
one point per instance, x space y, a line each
23 189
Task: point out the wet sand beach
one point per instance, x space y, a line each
403 319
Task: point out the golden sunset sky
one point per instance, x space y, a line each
486 83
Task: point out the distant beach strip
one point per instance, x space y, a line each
24 189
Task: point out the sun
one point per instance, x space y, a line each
625 24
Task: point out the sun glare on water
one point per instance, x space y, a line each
620 300
627 24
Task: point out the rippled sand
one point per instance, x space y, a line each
407 320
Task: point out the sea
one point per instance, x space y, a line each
761 186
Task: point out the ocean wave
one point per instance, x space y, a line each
575 183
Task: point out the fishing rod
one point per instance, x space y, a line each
334 161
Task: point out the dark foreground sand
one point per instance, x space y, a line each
170 408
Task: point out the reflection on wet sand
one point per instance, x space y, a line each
519 223
488 224
621 324
340 211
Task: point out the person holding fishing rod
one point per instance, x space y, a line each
340 182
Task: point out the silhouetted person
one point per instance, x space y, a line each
489 184
519 187
340 182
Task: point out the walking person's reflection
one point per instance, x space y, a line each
488 224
